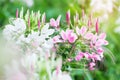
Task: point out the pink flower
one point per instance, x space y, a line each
72 37
86 55
102 36
69 35
79 56
88 36
94 57
94 38
81 31
91 65
68 17
55 23
56 39
100 51
64 35
98 41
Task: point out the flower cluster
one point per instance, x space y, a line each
43 43
84 42
33 38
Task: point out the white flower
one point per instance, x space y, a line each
14 30
61 76
22 69
46 31
29 62
14 72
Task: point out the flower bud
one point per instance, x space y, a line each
68 17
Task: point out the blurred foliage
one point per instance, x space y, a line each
108 70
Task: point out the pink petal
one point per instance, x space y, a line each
56 39
79 56
102 36
83 30
68 17
96 57
91 65
94 38
89 36
63 35
86 55
58 20
53 22
72 38
100 51
106 42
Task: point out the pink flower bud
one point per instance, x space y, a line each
97 26
90 21
39 24
91 65
76 18
29 22
58 20
68 17
53 22
43 18
17 13
56 39
83 13
83 30
64 35
79 56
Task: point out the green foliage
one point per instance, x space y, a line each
109 70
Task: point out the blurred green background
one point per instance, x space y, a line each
110 23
